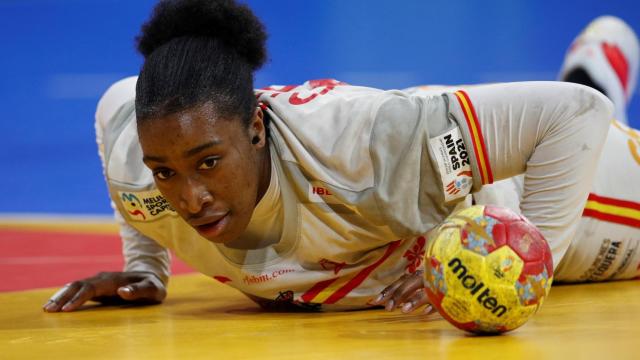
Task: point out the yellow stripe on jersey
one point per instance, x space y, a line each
613 210
476 137
323 295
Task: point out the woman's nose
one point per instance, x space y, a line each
194 196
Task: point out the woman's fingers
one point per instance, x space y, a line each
70 297
389 291
407 289
138 287
415 301
150 289
407 293
401 291
86 292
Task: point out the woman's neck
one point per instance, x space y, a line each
264 162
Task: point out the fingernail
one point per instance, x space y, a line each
66 307
407 307
390 305
48 306
427 309
127 290
378 299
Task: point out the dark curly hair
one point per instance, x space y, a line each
198 51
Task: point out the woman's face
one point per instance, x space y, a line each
208 168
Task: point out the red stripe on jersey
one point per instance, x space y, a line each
476 136
611 218
316 289
480 137
362 275
614 202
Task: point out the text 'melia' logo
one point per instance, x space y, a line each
133 205
145 205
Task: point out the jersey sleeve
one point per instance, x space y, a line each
551 132
141 253
407 191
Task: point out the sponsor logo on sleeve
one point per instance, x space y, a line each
452 158
145 205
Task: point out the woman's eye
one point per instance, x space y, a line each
163 174
208 163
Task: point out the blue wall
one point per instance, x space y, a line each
57 57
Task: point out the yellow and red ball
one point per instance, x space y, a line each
487 269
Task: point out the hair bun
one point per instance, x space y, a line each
233 24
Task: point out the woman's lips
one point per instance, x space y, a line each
211 228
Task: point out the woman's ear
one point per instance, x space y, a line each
257 129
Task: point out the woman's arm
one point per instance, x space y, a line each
146 263
551 132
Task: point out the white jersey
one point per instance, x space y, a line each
607 243
359 174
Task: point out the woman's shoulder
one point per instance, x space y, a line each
116 126
329 103
118 94
314 94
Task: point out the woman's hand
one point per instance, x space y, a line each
134 287
407 293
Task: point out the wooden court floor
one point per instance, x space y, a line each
203 319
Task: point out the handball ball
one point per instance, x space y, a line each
488 269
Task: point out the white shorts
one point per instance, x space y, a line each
607 243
